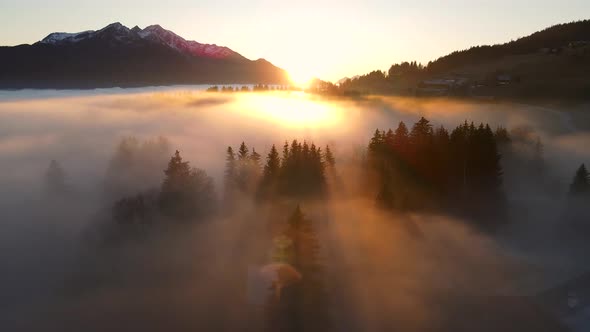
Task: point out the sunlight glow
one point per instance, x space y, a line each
294 110
300 79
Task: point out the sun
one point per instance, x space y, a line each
300 78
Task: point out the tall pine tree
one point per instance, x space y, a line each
270 173
230 176
305 302
329 158
186 192
581 183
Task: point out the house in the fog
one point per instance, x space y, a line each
504 79
440 86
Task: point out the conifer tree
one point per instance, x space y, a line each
401 144
285 152
301 169
255 159
421 132
186 192
230 162
270 174
230 174
389 139
255 171
460 167
401 135
491 163
581 183
502 137
273 165
375 143
175 187
421 149
243 168
375 155
243 152
329 158
442 159
316 171
177 174
305 301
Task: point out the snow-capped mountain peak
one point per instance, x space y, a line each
116 27
157 33
59 37
153 33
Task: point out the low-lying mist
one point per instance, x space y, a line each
381 270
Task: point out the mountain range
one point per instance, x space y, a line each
117 56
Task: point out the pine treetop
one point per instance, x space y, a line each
581 182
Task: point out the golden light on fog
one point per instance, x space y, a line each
294 110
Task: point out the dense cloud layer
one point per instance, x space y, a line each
81 131
376 263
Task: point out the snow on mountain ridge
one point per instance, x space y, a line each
118 27
57 37
180 44
154 33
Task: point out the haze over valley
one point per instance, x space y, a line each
58 239
366 166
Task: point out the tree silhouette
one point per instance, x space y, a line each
421 148
243 172
255 159
580 185
299 172
302 170
243 168
273 164
401 141
285 152
186 192
243 152
135 212
426 168
230 176
305 302
271 173
441 160
502 137
329 158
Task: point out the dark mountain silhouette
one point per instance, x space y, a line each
119 56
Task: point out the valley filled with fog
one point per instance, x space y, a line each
60 270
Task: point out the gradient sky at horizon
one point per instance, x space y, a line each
328 39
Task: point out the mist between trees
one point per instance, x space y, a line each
411 229
162 224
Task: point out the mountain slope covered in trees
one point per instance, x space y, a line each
550 64
554 37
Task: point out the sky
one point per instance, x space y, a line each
326 39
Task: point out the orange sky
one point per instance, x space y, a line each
328 39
